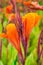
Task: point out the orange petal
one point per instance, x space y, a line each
29 20
11 16
27 3
13 35
9 9
3 35
37 18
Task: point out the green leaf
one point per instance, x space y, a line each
1 63
32 58
12 55
4 54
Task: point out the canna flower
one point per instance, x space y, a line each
29 21
33 5
27 3
11 17
9 9
12 35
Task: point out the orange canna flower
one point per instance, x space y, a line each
29 21
9 9
12 35
3 35
11 16
27 3
37 18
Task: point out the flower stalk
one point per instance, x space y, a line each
40 43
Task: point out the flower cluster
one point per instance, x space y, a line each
29 20
20 28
